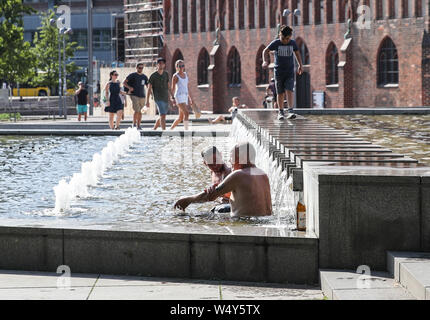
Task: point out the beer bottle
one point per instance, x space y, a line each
301 214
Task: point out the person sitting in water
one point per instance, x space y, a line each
212 159
249 186
233 111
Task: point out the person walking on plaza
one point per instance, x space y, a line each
114 103
159 87
180 86
135 83
284 68
82 101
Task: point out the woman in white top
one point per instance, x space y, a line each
182 94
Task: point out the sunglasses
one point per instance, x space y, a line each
140 68
181 66
116 74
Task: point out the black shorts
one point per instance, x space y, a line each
284 81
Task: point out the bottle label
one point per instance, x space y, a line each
301 220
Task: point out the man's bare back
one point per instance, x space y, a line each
250 192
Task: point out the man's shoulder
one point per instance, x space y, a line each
275 42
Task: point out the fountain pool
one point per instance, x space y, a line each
136 193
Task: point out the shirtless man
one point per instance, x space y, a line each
212 158
249 186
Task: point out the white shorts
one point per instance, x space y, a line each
181 98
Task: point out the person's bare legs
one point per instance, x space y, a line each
139 119
216 120
186 115
290 99
163 121
135 119
79 116
280 100
111 116
183 115
118 118
157 124
85 116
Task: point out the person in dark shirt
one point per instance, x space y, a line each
284 47
83 100
135 83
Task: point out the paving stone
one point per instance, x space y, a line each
155 291
231 292
372 294
74 293
29 279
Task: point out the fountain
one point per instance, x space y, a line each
91 171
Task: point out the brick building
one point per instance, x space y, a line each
384 65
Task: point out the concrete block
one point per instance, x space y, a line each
395 259
372 294
332 280
127 253
415 277
36 249
293 261
425 215
361 217
297 179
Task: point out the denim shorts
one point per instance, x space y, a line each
81 108
162 106
284 81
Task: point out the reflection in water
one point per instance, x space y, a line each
406 134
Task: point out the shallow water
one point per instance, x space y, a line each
405 134
140 188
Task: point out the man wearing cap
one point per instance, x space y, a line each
159 87
135 83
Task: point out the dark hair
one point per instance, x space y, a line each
111 74
286 31
139 64
161 59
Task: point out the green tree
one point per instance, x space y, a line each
46 51
16 58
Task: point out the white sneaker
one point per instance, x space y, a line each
281 114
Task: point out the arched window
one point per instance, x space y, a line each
176 56
388 63
261 75
304 52
202 67
332 60
233 68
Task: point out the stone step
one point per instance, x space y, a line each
349 285
412 271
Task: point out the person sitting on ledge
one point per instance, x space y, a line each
249 186
233 111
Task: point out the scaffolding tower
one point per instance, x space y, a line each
143 31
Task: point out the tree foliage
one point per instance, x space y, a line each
46 50
16 58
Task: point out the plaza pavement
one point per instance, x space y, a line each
26 285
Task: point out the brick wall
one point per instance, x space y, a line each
250 27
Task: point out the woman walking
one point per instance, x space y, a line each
182 94
114 104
